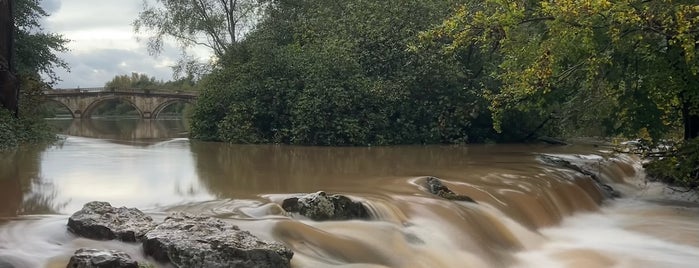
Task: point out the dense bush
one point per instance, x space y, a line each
322 73
17 131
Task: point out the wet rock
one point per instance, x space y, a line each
4 264
99 220
96 258
192 241
551 140
291 204
321 206
607 190
435 186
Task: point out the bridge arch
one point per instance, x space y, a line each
62 104
162 106
87 113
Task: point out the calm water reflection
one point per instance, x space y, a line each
132 131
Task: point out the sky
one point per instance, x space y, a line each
103 44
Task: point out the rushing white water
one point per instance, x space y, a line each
529 214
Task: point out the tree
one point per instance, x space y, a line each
626 66
35 49
143 81
340 73
31 53
8 81
214 24
133 81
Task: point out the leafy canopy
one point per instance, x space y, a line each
36 50
624 66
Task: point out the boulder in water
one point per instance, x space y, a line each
99 220
435 186
321 206
96 258
607 190
192 241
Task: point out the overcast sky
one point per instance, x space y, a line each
103 44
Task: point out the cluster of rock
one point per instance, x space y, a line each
321 206
435 186
182 240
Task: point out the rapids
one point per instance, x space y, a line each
529 214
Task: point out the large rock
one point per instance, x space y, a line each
99 220
192 241
607 190
321 206
435 186
96 258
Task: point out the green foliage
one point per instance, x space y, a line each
133 81
342 73
615 66
143 81
36 50
679 167
17 131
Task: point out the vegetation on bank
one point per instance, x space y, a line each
360 72
16 131
677 165
320 73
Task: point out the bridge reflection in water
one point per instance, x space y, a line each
122 129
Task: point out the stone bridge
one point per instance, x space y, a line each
149 103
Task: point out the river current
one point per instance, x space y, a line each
529 214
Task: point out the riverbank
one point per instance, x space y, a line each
17 131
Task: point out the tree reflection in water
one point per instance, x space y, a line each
22 189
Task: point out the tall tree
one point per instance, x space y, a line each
8 81
28 49
633 62
36 50
214 24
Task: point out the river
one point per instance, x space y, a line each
529 214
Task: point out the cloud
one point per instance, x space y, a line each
103 44
94 68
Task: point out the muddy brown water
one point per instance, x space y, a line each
528 214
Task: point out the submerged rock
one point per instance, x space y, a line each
435 186
192 241
607 190
321 206
99 220
97 258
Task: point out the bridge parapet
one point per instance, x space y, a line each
126 90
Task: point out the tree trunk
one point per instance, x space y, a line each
9 88
691 122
